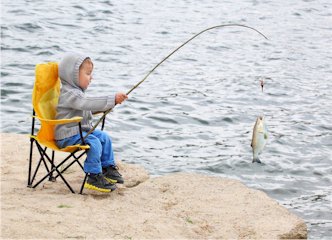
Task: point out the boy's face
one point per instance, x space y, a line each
85 75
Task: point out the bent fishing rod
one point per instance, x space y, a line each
175 50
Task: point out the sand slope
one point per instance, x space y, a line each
176 206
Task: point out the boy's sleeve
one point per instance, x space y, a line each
79 101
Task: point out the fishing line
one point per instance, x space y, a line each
175 50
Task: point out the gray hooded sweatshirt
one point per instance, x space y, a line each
73 101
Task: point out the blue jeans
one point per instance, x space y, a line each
99 155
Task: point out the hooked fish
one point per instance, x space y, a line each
259 138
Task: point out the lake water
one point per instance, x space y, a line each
196 112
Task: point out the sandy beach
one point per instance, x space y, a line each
174 206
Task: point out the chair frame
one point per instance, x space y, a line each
53 168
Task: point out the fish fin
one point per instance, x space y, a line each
256 160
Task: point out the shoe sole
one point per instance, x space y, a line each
112 181
91 187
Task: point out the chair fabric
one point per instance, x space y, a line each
45 97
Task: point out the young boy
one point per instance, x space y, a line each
75 72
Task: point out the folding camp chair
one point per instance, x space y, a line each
44 100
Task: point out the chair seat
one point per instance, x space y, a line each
53 146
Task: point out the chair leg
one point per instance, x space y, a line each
36 170
30 162
76 160
42 154
31 148
51 178
50 172
42 159
54 168
63 179
82 187
80 165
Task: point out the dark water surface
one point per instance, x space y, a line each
197 111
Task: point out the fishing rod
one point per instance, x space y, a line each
175 50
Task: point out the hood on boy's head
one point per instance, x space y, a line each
69 68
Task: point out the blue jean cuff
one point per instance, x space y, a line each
92 168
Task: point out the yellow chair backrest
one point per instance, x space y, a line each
45 97
46 90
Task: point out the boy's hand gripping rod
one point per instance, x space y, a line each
147 75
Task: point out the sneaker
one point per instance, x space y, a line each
112 175
97 182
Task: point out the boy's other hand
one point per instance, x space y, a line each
120 97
